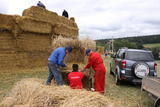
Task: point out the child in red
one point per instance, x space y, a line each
75 78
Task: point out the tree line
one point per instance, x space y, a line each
132 42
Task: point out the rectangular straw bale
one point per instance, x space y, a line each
33 25
72 19
61 29
63 20
7 59
76 56
7 41
6 22
32 59
88 43
38 59
67 22
66 31
20 59
41 14
75 25
73 32
72 24
34 42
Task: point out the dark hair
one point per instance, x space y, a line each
88 51
69 48
75 67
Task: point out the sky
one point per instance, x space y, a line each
100 19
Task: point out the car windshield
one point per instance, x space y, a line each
136 55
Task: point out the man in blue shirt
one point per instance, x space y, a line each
40 4
54 62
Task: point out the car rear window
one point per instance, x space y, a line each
136 55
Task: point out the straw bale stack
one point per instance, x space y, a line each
33 42
78 52
32 93
20 59
6 22
33 25
7 41
31 35
41 14
61 25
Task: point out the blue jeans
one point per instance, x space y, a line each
54 73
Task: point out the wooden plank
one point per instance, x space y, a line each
152 85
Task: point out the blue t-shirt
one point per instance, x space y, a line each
57 56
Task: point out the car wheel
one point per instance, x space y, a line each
117 81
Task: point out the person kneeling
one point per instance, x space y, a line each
75 77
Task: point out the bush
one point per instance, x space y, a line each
156 52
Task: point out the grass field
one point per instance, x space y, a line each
10 77
152 45
125 95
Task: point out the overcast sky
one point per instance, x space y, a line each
100 19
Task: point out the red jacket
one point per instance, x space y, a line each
96 62
75 79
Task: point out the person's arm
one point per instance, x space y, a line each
61 59
90 63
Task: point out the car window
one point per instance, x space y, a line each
136 55
121 53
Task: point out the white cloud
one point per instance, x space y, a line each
101 18
3 6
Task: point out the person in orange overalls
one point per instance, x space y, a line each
96 62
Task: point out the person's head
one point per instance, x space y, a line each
88 51
75 67
69 49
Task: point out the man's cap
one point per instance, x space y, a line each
69 48
88 51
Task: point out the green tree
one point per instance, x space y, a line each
125 43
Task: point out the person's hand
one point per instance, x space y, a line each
83 70
65 65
